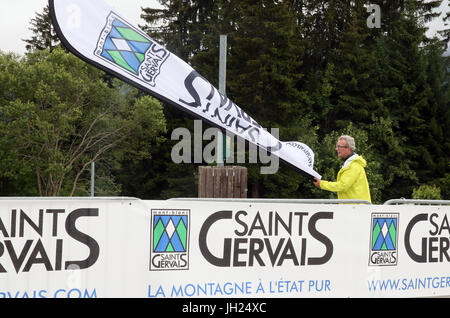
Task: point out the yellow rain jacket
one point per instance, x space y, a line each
351 180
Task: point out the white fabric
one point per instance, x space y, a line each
90 30
349 160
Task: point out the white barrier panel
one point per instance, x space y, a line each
124 247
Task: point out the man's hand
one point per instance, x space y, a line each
317 182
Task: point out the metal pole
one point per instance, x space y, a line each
92 179
223 64
221 138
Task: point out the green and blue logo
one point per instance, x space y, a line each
131 50
383 239
170 233
169 239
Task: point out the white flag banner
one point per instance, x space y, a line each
101 36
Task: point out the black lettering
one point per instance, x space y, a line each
162 56
273 256
231 121
2 250
228 116
244 128
432 248
270 223
255 249
432 216
443 246
34 259
274 148
245 116
212 92
444 225
320 237
183 259
303 254
416 257
226 259
238 251
92 244
259 126
279 220
240 222
224 100
254 133
3 229
189 85
13 223
288 253
257 225
300 221
209 97
24 217
216 113
238 110
55 220
18 261
156 257
58 256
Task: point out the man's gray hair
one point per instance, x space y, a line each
350 141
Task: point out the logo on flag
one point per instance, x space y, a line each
383 239
169 240
130 50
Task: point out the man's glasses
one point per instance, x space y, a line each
338 146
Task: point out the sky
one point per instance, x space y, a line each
15 16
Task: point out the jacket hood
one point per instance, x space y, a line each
355 158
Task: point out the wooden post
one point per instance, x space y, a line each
222 182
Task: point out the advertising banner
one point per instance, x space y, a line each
125 247
101 36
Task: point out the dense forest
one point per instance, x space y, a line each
315 69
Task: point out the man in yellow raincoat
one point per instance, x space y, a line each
351 179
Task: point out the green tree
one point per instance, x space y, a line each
44 35
180 25
436 136
265 61
157 176
444 184
58 116
410 98
353 73
427 192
